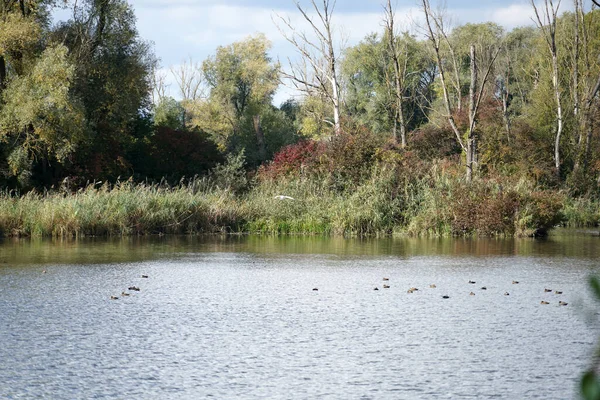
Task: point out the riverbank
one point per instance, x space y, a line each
382 204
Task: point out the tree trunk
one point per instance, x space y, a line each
471 142
260 139
559 116
398 75
334 83
436 47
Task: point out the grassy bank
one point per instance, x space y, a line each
383 202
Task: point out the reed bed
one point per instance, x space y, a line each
384 203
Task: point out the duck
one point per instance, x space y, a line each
547 290
472 282
386 286
471 294
562 303
515 282
557 292
432 286
114 298
544 302
134 288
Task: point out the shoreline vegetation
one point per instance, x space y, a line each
382 199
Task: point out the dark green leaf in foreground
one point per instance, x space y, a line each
590 387
595 285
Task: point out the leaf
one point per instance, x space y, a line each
595 285
590 387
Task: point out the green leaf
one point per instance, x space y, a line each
590 387
595 284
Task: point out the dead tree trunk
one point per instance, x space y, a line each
399 73
471 141
319 55
547 24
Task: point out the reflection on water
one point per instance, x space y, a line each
563 243
237 317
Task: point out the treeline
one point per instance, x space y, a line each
404 120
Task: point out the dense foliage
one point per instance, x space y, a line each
81 101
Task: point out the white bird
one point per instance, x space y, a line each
282 197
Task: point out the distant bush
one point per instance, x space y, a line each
173 154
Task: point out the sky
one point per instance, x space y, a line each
193 29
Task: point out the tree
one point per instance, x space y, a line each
317 74
190 80
546 22
436 36
399 68
41 119
113 79
242 80
371 97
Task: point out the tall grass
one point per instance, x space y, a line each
122 209
386 201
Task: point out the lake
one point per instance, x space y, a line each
238 318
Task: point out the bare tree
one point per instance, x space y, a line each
435 34
159 85
318 70
399 71
546 22
189 78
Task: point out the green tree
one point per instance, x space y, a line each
169 113
242 80
368 71
41 118
113 78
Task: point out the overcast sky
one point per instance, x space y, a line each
181 29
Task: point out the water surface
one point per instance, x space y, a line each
237 317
